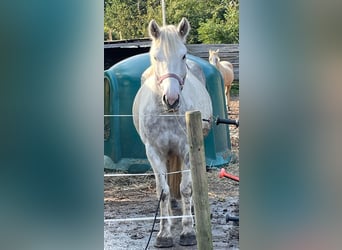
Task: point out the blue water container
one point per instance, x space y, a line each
122 142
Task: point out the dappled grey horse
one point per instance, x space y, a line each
169 89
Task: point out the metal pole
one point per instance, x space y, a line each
163 12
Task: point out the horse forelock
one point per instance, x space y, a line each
169 41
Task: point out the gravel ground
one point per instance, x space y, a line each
132 197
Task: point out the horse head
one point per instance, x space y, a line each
168 59
214 57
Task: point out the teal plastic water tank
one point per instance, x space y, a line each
121 141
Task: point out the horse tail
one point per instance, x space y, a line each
173 165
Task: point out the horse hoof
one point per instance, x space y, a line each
188 239
163 242
174 204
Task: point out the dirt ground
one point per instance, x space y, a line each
135 197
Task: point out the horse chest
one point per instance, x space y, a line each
166 132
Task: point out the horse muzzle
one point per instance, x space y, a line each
171 103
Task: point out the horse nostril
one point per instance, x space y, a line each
164 99
171 103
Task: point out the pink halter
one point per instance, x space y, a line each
163 77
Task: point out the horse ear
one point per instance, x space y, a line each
153 29
183 28
217 51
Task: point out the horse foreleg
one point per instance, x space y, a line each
188 235
227 90
164 237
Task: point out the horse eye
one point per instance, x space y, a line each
183 57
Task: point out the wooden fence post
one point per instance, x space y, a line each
199 180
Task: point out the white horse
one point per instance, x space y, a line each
169 89
226 70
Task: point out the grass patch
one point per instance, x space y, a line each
235 88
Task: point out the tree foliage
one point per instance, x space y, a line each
213 21
223 27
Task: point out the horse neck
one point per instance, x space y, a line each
218 64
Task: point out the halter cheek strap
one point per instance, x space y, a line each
163 77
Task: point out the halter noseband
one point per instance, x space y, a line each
160 79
